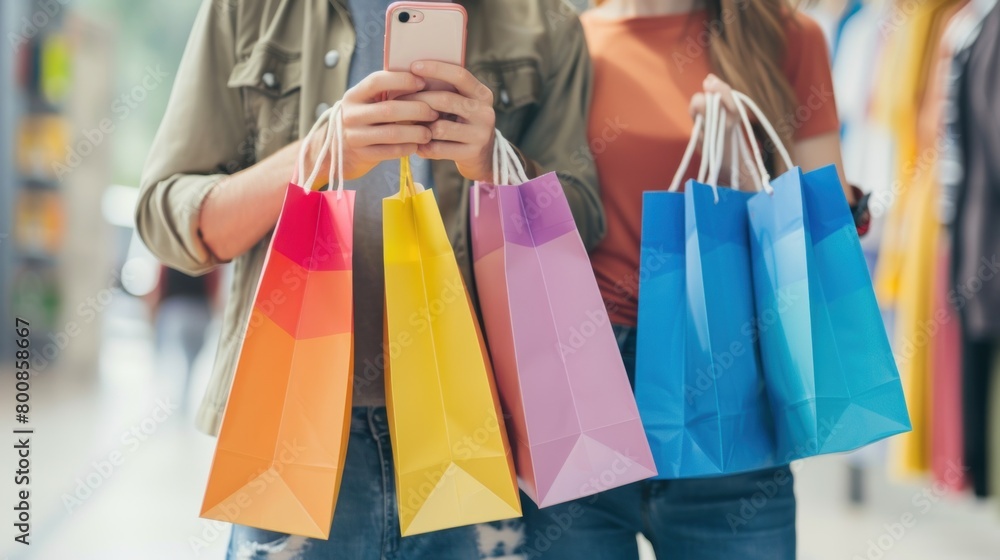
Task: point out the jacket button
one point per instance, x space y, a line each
321 108
269 79
331 59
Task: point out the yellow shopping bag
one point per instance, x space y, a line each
453 462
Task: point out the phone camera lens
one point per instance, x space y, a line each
404 17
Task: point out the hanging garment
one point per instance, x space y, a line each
977 362
977 232
915 327
947 461
866 143
993 430
947 434
901 88
961 33
915 256
852 9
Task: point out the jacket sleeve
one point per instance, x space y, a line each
556 140
203 137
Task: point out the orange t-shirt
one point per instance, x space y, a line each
646 70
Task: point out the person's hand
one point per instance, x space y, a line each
714 84
376 129
467 136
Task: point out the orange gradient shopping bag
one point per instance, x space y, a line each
280 454
453 463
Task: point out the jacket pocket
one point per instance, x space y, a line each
517 89
270 80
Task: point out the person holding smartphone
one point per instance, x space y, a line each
253 79
653 62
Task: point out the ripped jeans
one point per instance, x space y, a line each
365 522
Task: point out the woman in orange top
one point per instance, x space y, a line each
653 59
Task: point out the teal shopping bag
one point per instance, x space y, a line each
831 377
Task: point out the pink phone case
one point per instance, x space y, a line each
438 35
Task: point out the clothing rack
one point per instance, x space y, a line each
898 74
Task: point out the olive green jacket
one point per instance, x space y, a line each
253 78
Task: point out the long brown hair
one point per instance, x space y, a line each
747 53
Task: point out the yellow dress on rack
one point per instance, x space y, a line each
915 327
907 257
911 45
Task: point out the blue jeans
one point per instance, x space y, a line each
365 522
747 516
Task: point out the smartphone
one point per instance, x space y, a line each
424 31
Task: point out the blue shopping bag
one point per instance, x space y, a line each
698 383
830 373
699 386
728 411
661 329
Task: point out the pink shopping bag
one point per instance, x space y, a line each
572 416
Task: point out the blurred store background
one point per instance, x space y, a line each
123 346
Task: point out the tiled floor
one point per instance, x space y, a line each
145 508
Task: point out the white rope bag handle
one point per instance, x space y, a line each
333 118
713 149
713 127
703 126
507 168
742 103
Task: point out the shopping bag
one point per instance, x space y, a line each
830 373
661 334
280 453
453 463
698 380
563 385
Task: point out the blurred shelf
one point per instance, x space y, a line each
38 182
38 105
38 258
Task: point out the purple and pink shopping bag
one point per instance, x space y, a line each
572 416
